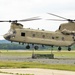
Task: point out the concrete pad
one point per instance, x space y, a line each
4 74
36 71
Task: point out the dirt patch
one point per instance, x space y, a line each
36 71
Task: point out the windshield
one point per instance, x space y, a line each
12 32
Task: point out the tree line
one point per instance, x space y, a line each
10 46
16 46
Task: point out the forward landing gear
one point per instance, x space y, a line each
59 48
36 47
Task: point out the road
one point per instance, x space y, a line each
70 61
35 71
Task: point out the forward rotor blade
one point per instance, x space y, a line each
57 16
8 20
4 20
30 19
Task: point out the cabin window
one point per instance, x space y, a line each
43 36
73 38
33 35
52 37
22 34
63 38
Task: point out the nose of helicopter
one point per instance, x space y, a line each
7 37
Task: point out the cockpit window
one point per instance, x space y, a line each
10 32
14 32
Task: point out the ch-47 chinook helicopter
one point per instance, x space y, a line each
63 37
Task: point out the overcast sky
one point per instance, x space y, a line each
22 9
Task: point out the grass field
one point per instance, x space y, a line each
13 64
10 64
66 54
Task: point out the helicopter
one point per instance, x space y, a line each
63 37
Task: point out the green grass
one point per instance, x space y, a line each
66 54
8 64
14 64
15 53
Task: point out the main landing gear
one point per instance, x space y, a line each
35 47
59 48
69 49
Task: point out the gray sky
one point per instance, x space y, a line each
22 9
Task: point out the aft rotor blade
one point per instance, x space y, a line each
57 16
56 20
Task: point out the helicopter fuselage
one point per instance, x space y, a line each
32 36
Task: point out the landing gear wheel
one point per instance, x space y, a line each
69 49
27 47
59 48
36 47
